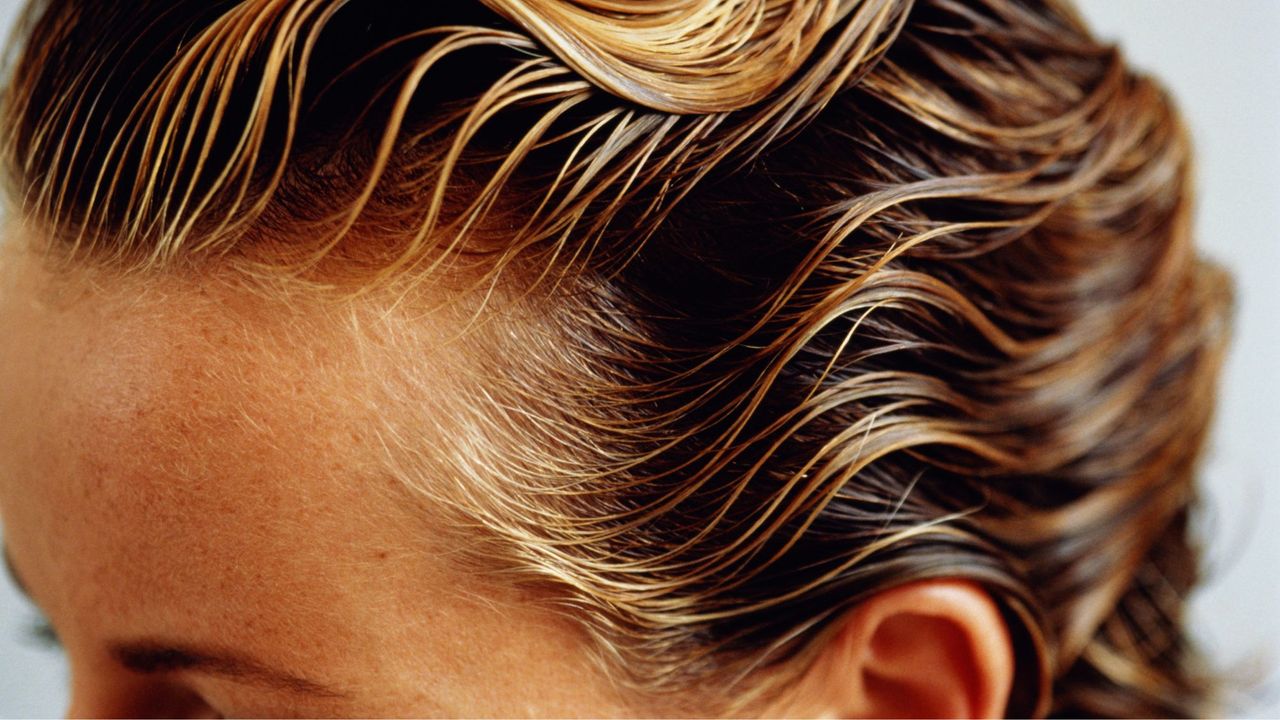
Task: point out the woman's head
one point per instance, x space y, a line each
717 348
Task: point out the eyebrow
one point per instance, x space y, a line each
150 657
153 657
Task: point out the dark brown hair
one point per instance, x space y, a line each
829 295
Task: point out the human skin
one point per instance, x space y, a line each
193 468
189 463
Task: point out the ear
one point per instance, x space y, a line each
934 648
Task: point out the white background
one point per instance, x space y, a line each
1221 59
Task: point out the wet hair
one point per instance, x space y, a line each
828 295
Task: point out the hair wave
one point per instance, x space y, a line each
832 294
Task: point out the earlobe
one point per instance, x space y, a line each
935 648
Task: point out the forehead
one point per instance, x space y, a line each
183 458
196 425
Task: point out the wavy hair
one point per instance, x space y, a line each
831 295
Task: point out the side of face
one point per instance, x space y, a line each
187 465
195 488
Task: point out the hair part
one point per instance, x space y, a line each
831 295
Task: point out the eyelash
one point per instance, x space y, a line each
42 633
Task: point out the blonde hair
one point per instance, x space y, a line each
836 294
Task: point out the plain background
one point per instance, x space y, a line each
1221 59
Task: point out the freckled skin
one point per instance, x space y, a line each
188 461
